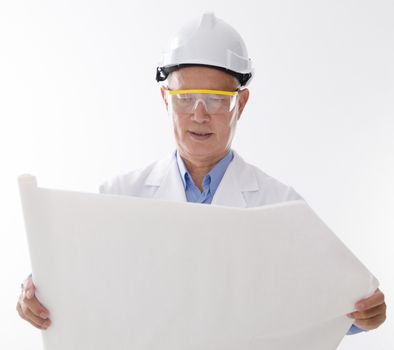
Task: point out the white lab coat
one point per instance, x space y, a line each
243 185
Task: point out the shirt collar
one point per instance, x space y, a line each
216 174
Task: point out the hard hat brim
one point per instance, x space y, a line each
163 72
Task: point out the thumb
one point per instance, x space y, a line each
29 288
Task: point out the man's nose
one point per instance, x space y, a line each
200 113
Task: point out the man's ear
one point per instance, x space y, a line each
163 95
243 99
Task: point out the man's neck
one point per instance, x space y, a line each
199 168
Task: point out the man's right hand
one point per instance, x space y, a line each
30 309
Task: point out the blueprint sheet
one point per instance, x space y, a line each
119 272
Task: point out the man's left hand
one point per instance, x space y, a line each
371 312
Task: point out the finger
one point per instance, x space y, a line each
21 314
19 309
374 300
371 323
362 315
36 320
35 307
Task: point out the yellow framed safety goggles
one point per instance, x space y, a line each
214 101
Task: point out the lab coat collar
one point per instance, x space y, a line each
165 176
238 178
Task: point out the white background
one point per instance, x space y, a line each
79 104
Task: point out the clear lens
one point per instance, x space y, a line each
213 103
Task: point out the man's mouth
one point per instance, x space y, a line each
200 135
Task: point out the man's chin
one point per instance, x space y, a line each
200 151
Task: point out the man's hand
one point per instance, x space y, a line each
30 309
371 312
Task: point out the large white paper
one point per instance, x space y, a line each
118 272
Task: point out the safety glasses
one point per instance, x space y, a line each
214 101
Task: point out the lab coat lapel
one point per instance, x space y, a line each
165 175
237 180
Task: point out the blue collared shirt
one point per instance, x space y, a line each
210 182
354 330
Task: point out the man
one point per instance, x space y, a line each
206 71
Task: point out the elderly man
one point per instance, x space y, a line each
205 74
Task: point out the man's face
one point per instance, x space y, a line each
201 136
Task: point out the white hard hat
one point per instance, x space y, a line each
207 42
